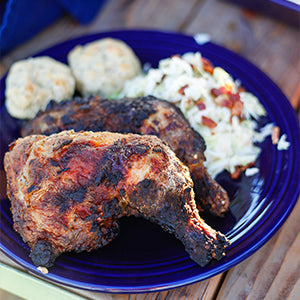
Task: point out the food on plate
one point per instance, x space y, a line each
33 82
213 102
145 115
68 190
101 67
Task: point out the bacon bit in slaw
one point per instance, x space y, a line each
217 92
239 169
224 101
200 104
225 98
207 66
208 122
237 108
181 90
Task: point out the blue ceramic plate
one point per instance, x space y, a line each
143 257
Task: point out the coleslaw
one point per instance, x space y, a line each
215 105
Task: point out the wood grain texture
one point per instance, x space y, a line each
8 296
271 45
273 271
156 14
204 290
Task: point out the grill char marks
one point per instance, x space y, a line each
65 199
107 176
129 114
91 114
147 116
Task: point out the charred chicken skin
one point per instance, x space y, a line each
68 191
145 115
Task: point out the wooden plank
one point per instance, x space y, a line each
295 98
272 272
272 46
295 292
289 273
157 14
8 296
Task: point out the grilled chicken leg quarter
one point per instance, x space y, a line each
145 115
68 191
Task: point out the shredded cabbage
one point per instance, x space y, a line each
186 82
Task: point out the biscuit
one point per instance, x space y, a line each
33 82
102 67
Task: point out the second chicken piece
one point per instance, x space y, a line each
145 115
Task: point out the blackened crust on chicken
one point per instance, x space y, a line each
42 254
145 115
88 181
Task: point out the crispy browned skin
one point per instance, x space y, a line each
146 115
68 191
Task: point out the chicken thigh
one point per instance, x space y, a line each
68 190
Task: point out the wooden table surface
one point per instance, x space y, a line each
273 272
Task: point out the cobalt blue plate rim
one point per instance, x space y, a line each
276 195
